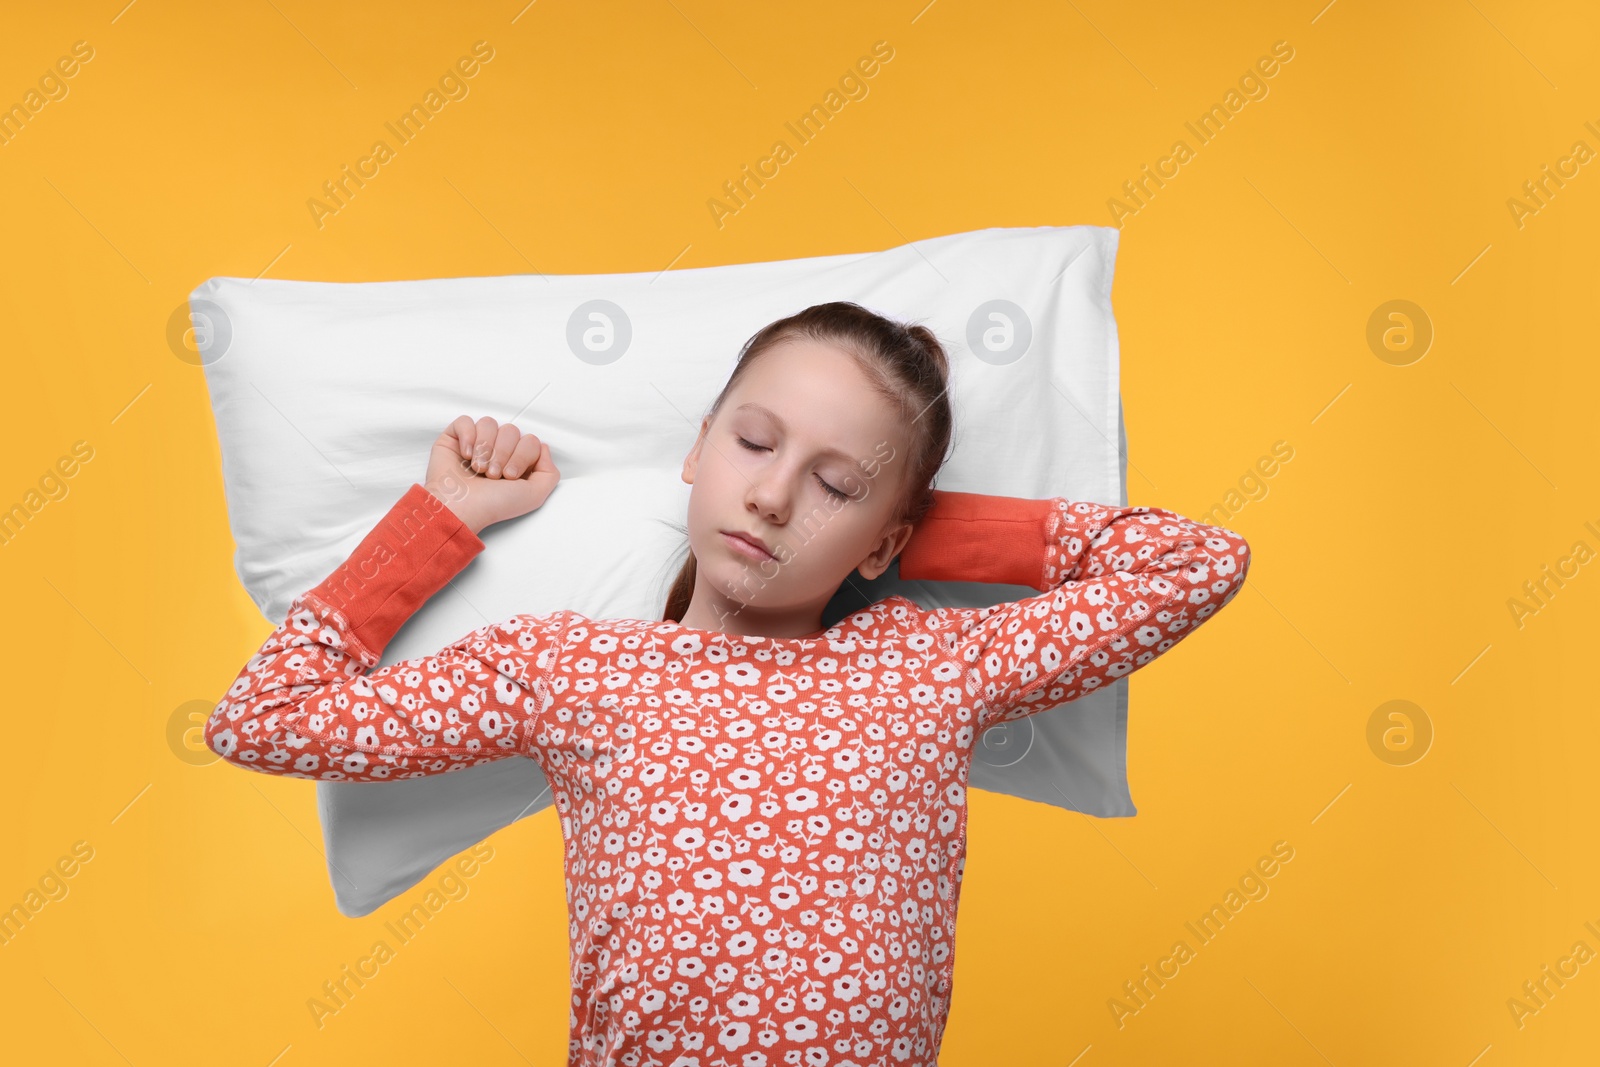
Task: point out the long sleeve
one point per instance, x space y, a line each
306 706
1119 586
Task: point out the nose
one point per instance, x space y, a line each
769 495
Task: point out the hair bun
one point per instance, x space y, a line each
929 342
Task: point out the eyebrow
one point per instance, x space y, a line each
773 415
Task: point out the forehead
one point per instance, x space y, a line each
817 394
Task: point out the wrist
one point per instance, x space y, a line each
457 503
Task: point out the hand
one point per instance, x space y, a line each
486 472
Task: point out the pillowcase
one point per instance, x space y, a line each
327 397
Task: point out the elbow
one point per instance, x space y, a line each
245 750
1225 555
223 726
256 738
233 737
247 727
1221 541
1239 552
221 737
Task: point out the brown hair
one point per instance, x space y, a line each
904 362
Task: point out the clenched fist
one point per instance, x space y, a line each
486 472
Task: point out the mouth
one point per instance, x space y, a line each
750 546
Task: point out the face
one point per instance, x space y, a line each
805 456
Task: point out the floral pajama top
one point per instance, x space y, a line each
764 837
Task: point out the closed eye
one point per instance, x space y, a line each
762 448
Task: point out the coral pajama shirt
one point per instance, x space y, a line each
764 837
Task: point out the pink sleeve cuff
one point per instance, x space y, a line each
407 557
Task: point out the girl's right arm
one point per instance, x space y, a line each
305 706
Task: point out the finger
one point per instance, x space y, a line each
463 431
523 457
504 441
542 480
546 463
483 445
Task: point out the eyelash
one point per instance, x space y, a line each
831 491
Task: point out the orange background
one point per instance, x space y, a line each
1429 879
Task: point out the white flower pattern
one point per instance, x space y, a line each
764 837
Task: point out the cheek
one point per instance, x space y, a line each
723 469
715 500
827 548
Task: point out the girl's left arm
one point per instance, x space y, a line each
1121 586
309 705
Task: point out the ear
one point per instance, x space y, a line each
691 462
885 551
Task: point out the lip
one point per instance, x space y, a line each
750 546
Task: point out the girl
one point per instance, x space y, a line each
764 819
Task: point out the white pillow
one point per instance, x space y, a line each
328 395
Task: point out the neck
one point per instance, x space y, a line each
715 612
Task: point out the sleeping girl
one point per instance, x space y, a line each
764 817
